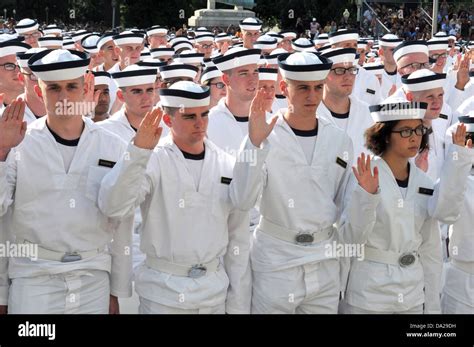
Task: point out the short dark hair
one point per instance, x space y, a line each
171 110
377 137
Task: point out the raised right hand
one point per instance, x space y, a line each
364 176
259 129
12 127
149 131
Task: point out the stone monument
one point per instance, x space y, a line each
211 17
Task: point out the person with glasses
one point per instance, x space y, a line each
157 36
204 44
28 28
366 86
10 85
392 208
250 28
438 54
212 77
34 104
339 106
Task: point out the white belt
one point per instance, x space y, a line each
464 266
295 236
193 271
64 257
391 258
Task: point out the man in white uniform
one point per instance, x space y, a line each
79 269
301 176
250 28
196 242
10 85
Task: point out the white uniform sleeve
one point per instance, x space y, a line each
7 182
237 264
249 178
359 216
127 184
4 279
122 266
431 259
447 200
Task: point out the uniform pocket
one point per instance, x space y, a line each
94 178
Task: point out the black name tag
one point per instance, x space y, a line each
443 116
425 191
341 162
106 163
370 91
226 180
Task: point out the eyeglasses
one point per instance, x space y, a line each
219 85
34 35
405 133
417 66
342 71
438 56
10 66
206 46
31 76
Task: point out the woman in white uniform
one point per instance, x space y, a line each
390 212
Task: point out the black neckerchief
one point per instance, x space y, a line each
404 183
306 133
64 142
191 156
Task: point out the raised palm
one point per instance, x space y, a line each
363 173
259 129
12 126
149 131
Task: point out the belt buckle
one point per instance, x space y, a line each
406 259
197 271
304 239
70 257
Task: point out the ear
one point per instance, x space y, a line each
167 120
120 95
38 91
21 78
409 96
226 79
284 88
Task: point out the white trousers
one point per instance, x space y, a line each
349 309
75 292
450 305
311 288
151 307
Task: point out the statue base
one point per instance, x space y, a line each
221 18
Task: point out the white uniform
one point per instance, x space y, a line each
463 110
279 102
388 80
57 209
367 87
395 221
296 196
183 225
358 121
458 289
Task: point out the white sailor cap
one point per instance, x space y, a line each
161 51
343 35
150 62
89 43
202 31
322 39
50 41
361 44
101 77
128 38
145 53
26 25
204 38
374 68
250 24
304 66
266 42
390 40
135 75
190 56
9 37
303 45
288 34
105 38
23 57
222 37
185 94
209 73
59 64
324 48
468 121
408 47
340 55
278 37
12 47
437 44
397 108
208 61
423 79
156 29
272 58
68 43
51 30
237 57
178 70
267 74
181 45
441 35
79 35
